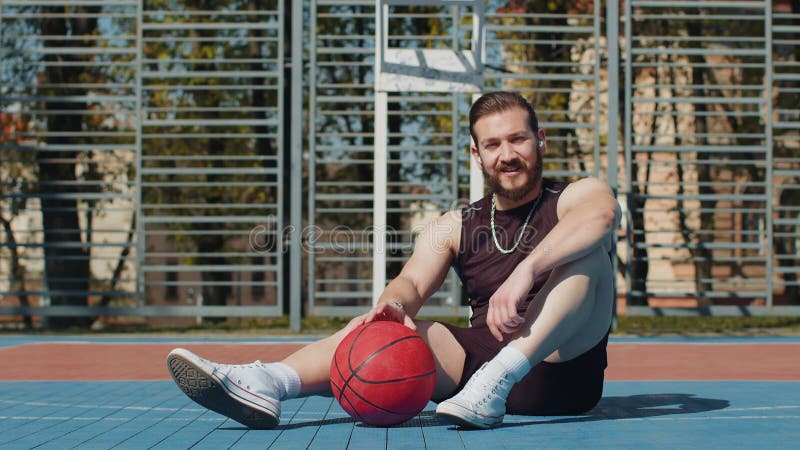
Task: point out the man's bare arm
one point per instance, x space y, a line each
588 214
424 272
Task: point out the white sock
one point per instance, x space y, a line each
514 362
287 376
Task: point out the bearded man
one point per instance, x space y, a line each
534 259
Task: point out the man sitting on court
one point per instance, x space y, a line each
533 256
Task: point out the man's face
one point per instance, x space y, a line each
508 153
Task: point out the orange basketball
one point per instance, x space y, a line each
383 373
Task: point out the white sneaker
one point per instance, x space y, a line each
246 393
481 404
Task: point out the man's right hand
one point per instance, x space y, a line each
393 311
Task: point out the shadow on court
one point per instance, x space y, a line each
609 408
423 419
637 407
649 405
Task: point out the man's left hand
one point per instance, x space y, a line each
502 317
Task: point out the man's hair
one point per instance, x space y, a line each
497 102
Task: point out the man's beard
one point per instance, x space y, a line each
518 193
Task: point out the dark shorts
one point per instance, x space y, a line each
566 388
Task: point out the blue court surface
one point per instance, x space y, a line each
632 414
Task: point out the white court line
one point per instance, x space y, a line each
715 343
709 418
223 419
115 419
121 408
762 408
148 408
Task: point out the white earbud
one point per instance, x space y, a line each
541 144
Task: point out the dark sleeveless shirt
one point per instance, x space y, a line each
481 266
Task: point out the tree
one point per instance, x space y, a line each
12 127
67 163
66 259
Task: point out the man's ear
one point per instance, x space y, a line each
476 155
542 138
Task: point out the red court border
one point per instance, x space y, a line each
71 361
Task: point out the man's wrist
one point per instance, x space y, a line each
397 304
529 264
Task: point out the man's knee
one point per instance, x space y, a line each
594 264
448 354
598 262
433 332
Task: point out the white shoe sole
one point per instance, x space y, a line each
458 415
208 390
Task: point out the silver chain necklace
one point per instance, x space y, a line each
521 231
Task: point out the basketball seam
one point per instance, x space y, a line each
346 381
411 377
354 373
397 413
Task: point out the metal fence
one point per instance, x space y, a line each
702 143
211 166
159 160
428 140
698 150
70 143
785 129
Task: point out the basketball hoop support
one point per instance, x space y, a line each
415 70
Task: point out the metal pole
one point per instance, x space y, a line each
612 39
379 200
312 143
628 153
768 143
475 175
597 48
612 152
379 163
140 238
296 149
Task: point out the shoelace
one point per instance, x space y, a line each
253 365
257 364
491 392
487 389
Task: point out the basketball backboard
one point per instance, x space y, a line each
428 69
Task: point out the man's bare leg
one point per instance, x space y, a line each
568 316
313 362
252 393
571 313
448 355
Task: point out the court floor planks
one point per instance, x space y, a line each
68 405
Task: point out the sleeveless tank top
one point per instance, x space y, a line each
481 267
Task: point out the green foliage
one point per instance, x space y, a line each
699 325
627 326
200 130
